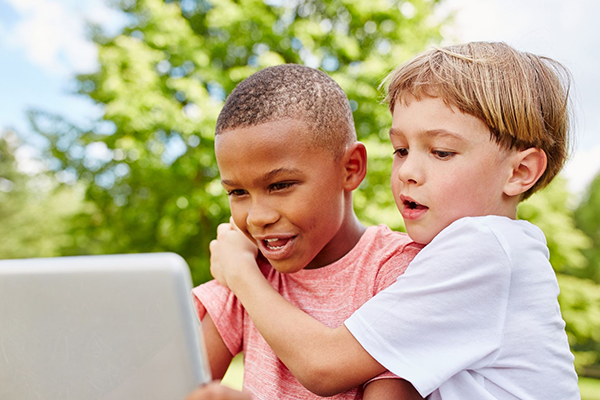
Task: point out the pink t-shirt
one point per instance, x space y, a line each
330 294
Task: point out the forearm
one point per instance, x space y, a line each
390 389
325 360
218 355
215 391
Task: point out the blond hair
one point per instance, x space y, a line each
521 97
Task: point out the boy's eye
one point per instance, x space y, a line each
236 192
402 152
280 186
443 154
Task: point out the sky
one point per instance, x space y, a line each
43 44
567 31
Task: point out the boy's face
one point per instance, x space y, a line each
285 194
445 167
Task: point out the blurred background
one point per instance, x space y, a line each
107 114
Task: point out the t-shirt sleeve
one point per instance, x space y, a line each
445 313
225 310
383 375
394 264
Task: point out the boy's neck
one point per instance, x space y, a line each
341 244
512 204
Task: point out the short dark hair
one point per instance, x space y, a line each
294 92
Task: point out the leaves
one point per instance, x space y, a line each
148 165
579 298
143 178
587 218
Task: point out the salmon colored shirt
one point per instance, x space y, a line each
330 294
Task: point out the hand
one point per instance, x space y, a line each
215 391
232 254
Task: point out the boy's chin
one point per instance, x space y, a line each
286 266
419 236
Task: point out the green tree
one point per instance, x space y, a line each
579 298
587 218
34 214
148 165
12 188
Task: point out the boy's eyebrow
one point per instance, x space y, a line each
432 132
272 174
394 132
442 133
266 177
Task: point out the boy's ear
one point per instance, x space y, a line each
527 167
355 165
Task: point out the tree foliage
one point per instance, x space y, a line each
587 219
147 167
35 215
148 164
11 181
579 298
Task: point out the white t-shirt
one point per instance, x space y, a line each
475 316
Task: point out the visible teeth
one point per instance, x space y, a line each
271 240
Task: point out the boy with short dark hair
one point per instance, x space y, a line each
476 129
289 160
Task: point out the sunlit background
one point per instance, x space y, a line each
118 175
43 43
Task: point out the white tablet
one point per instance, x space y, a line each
117 327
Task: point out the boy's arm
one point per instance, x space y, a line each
390 389
215 391
218 355
326 361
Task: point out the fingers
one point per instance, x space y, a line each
233 225
214 391
222 229
226 229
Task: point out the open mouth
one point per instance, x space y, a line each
276 243
277 248
412 205
411 210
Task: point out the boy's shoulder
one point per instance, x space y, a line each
488 227
382 243
517 244
381 235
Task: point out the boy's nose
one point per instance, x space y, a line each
411 171
260 215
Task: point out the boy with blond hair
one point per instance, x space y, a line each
289 160
476 129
